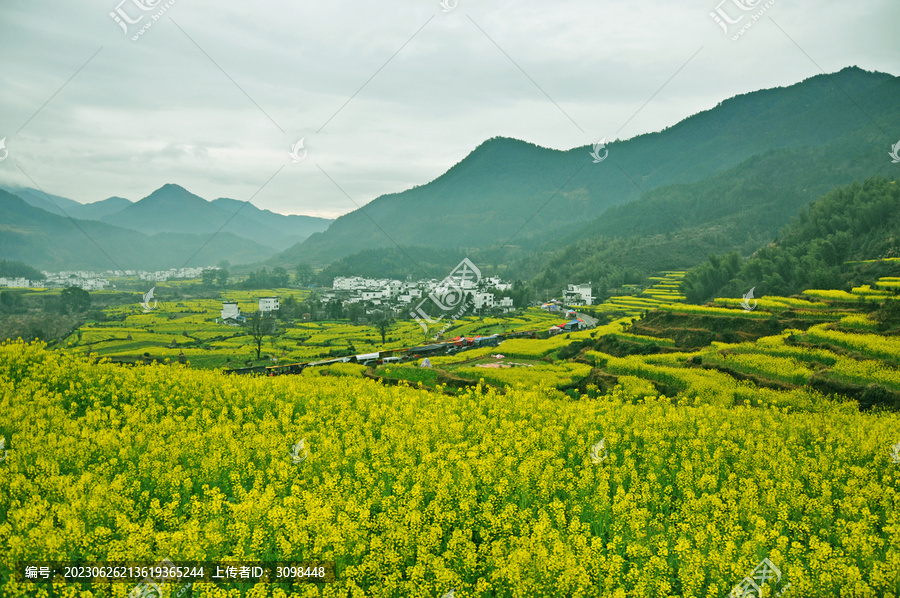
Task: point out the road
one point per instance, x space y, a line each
591 322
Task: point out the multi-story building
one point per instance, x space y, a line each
483 300
578 294
268 304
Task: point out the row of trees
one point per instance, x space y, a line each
278 277
259 326
71 301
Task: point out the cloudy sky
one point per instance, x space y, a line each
385 95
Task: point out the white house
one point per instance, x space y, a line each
230 309
342 283
369 295
578 294
506 302
495 282
94 284
484 300
393 289
268 303
14 282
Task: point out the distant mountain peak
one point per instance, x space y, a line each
171 192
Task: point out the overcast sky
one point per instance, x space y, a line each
386 94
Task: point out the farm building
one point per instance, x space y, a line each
230 309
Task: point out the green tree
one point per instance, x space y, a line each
11 302
334 310
222 277
280 277
356 311
209 277
287 308
303 274
74 300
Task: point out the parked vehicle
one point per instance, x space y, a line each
367 359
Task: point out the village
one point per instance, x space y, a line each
379 297
97 281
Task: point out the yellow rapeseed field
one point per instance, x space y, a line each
412 492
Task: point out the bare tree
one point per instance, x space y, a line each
259 327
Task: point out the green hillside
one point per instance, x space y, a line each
512 189
850 224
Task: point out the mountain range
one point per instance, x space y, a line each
726 179
510 192
171 216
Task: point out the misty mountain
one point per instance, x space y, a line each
510 191
63 206
293 228
45 201
52 242
99 209
173 209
